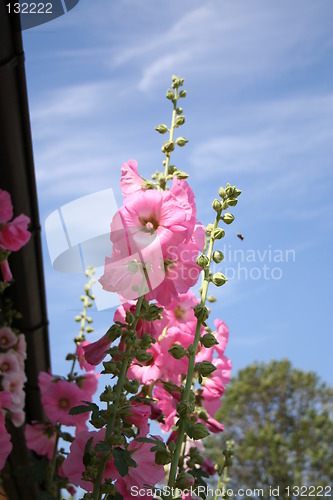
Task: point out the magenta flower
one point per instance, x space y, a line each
139 416
6 207
5 443
58 397
94 353
14 235
214 386
84 365
40 438
9 364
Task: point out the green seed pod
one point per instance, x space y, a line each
232 202
208 340
202 261
217 205
177 352
205 368
181 141
222 192
170 95
218 233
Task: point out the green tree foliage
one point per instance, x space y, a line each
281 421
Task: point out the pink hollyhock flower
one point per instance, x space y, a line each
58 397
140 414
147 471
94 353
130 181
6 207
168 404
150 371
180 267
186 199
180 311
84 365
14 235
14 385
9 364
222 335
6 272
88 384
173 368
5 443
7 337
150 218
73 465
214 386
41 438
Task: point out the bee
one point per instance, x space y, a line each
240 236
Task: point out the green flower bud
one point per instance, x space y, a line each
217 205
172 169
170 95
184 408
181 175
77 318
168 147
143 356
229 190
162 457
209 228
181 141
89 329
219 279
172 446
218 233
182 93
199 431
148 185
162 129
237 192
232 202
133 267
222 192
205 368
218 256
228 218
177 351
110 367
209 340
184 480
129 318
180 120
179 111
201 312
202 260
211 298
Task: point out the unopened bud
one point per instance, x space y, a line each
232 202
219 279
199 431
209 228
202 260
218 256
209 340
162 457
181 175
218 233
184 480
228 218
180 120
237 192
168 147
179 111
217 205
211 298
205 368
143 356
77 318
181 141
162 129
222 192
177 352
170 95
182 93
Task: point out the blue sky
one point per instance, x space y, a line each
258 114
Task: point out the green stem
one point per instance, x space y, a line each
191 363
172 128
51 487
115 405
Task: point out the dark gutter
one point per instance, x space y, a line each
17 176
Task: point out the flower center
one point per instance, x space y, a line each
4 341
149 225
63 403
179 313
4 367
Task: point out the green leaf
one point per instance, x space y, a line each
77 410
122 459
